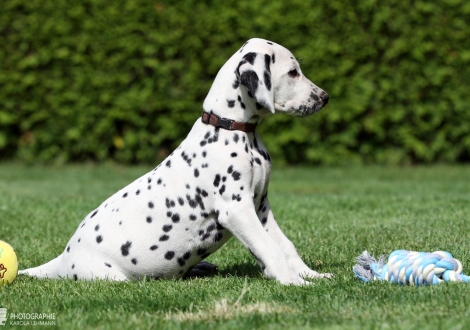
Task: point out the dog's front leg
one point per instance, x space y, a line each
242 221
266 218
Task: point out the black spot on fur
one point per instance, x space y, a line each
191 202
107 265
192 217
164 238
211 227
217 180
169 203
187 255
231 103
236 197
264 220
73 266
167 228
196 172
258 106
94 213
153 247
233 154
137 192
199 201
125 248
149 219
236 137
222 189
186 158
75 277
134 261
218 237
274 58
99 239
258 161
230 169
201 251
159 181
269 43
151 205
236 175
181 262
97 227
168 163
175 218
204 154
125 195
68 248
169 255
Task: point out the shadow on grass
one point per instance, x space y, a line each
244 269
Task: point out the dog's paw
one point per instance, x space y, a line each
202 269
324 275
314 275
293 280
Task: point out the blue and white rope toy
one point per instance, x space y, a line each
410 268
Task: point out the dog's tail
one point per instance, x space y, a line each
48 270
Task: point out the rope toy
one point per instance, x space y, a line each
410 268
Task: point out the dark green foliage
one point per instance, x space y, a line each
125 80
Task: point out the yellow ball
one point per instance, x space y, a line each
8 264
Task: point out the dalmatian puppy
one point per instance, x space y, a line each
212 187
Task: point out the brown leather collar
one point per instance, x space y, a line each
225 123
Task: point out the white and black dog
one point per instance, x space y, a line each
212 187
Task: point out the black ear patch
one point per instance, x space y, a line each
250 80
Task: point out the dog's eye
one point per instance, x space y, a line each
293 73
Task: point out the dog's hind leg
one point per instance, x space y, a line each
47 270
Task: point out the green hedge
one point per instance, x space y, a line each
124 80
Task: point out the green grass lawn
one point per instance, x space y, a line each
331 215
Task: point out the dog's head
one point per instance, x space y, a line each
272 76
263 78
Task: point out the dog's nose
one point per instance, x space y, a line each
325 98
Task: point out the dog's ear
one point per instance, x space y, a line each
254 73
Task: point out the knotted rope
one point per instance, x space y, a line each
410 268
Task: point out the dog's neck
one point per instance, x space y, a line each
227 98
